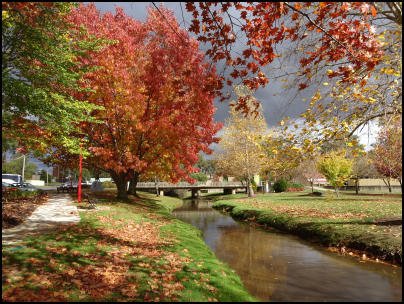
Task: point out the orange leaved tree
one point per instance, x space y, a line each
157 94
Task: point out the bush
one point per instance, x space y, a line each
108 185
280 185
254 185
295 187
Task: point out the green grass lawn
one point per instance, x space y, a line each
121 251
369 223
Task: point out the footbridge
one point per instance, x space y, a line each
228 187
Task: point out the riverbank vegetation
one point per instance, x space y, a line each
130 250
365 224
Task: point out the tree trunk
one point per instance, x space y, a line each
387 183
250 190
357 186
120 183
401 185
97 175
312 186
157 186
336 191
132 183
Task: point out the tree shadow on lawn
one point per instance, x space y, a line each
110 197
80 260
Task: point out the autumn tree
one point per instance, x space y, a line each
349 56
336 168
281 156
157 94
39 71
308 169
387 152
363 167
337 33
338 109
240 146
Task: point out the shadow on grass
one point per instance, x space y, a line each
81 237
81 260
109 197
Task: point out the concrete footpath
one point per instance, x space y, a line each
58 211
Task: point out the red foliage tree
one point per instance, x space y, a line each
157 95
339 34
387 154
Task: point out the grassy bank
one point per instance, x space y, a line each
369 224
121 251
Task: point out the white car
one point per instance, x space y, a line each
8 181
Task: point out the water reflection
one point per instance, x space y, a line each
279 267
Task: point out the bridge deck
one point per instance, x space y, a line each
197 186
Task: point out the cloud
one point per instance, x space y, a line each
277 102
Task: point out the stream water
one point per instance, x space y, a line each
279 267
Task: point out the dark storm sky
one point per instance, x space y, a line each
276 101
275 107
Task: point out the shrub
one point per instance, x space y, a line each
295 187
254 185
108 184
280 185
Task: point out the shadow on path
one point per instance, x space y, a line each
58 211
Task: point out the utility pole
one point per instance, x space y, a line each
23 169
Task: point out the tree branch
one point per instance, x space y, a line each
320 28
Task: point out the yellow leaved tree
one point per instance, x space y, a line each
240 152
336 168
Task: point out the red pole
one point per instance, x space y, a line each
79 184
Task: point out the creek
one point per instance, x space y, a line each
275 266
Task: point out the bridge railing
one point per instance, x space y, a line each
185 184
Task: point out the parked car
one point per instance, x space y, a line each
15 178
7 188
67 187
85 184
8 181
27 187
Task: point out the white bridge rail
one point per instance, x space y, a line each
188 185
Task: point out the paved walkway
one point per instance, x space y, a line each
57 211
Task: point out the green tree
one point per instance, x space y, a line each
207 166
7 144
336 168
199 176
39 72
15 167
42 175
